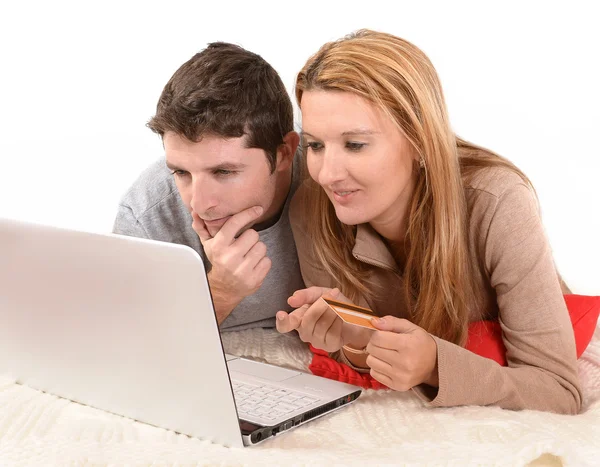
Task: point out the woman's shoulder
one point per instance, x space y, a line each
500 193
495 182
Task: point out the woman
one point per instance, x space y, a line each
429 231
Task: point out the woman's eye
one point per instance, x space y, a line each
314 146
353 146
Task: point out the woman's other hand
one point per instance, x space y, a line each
401 354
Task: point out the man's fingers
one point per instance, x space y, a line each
200 228
245 242
256 253
236 223
311 295
262 268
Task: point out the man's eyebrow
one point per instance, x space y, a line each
171 166
226 166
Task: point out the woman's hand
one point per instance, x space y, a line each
317 324
402 355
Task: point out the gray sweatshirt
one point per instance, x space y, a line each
153 209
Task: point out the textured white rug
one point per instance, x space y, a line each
382 427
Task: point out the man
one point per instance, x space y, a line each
226 123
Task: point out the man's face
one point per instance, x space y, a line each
219 177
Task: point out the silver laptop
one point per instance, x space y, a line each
127 325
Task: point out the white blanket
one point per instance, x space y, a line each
382 427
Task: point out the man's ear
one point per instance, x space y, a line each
287 150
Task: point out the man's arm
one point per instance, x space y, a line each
239 264
223 299
233 275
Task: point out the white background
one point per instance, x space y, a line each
79 80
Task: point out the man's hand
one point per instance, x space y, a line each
239 265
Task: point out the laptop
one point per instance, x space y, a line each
127 325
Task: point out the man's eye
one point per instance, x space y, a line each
353 146
313 146
179 173
223 172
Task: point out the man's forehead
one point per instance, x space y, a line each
180 142
209 152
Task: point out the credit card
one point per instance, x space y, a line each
351 314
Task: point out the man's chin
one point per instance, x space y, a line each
214 227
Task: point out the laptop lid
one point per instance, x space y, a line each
122 324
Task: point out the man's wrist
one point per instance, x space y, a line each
224 300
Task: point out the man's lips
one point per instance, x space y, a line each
216 222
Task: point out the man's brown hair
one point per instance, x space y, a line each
230 92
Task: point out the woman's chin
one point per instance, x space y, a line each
350 218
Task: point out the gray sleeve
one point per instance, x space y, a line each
127 224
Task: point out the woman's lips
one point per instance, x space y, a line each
344 196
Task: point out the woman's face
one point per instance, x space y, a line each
360 158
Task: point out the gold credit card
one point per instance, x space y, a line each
352 314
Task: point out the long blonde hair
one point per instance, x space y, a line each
399 79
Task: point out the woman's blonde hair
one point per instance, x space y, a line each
399 79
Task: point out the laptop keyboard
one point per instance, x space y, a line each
268 402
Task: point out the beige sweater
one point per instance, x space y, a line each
519 286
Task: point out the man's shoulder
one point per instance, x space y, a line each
152 208
153 186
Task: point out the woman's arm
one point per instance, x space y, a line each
537 333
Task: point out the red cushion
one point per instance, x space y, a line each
323 365
485 339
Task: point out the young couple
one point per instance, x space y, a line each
395 213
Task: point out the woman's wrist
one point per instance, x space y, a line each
355 345
358 340
356 356
433 379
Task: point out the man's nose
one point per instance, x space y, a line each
203 198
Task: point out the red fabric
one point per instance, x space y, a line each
584 313
485 339
323 365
